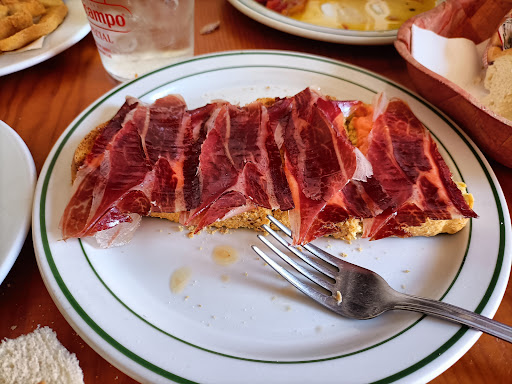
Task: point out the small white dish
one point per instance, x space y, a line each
17 183
258 12
73 29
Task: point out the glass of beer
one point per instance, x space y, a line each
137 36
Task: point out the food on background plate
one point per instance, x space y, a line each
23 21
363 15
226 165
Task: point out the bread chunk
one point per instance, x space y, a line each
38 357
498 81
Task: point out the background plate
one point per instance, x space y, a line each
17 183
286 24
73 29
241 322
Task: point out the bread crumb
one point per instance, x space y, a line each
224 278
181 228
287 308
328 246
210 27
343 254
338 297
14 327
190 235
359 249
403 286
406 271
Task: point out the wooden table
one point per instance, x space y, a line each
41 101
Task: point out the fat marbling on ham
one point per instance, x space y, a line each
293 154
409 167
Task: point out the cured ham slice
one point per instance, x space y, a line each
240 167
357 200
136 167
319 159
292 155
106 186
409 167
362 196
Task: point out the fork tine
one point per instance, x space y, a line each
304 257
320 253
314 278
304 288
327 257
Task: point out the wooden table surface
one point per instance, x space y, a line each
40 102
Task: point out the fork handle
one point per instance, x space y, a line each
455 314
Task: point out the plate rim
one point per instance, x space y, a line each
498 195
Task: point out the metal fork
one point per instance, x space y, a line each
359 293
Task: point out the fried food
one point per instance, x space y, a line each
4 11
34 7
12 24
23 21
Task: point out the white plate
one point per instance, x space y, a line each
73 29
241 322
17 183
286 24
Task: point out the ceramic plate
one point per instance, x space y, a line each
286 24
17 181
241 322
73 29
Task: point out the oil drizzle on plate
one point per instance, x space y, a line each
224 255
180 279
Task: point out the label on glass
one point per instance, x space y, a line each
108 21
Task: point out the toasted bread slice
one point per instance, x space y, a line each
254 219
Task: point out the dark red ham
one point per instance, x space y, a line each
362 195
107 179
221 160
112 127
240 167
409 167
319 160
